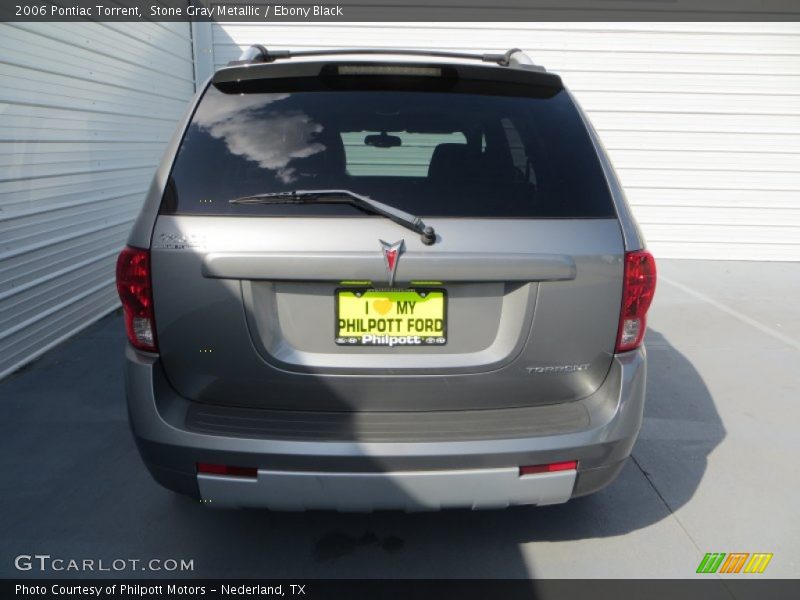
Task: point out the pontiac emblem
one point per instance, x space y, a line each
391 255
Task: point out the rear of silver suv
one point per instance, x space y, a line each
385 280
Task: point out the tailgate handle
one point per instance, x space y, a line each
422 266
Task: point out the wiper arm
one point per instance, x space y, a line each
401 217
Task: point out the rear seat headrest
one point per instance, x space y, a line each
451 161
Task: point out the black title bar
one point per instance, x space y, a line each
397 10
699 588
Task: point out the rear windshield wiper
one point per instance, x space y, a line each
412 222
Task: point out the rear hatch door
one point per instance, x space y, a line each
326 307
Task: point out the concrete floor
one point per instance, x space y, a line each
714 470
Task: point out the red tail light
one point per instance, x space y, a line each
569 465
213 469
638 288
136 294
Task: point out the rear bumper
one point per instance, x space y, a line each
407 490
297 474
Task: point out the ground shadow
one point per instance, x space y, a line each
75 487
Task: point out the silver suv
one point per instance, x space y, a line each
378 279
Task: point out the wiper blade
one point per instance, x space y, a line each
401 217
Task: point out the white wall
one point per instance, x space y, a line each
702 120
85 111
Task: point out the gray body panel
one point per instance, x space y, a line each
248 372
610 421
236 327
319 266
158 417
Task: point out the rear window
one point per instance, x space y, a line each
436 154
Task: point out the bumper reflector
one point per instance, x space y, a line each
210 469
569 465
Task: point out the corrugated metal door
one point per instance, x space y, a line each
86 111
702 120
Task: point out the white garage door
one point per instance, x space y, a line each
85 111
702 120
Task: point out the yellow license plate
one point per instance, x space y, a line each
372 317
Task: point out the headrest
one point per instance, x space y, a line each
452 160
